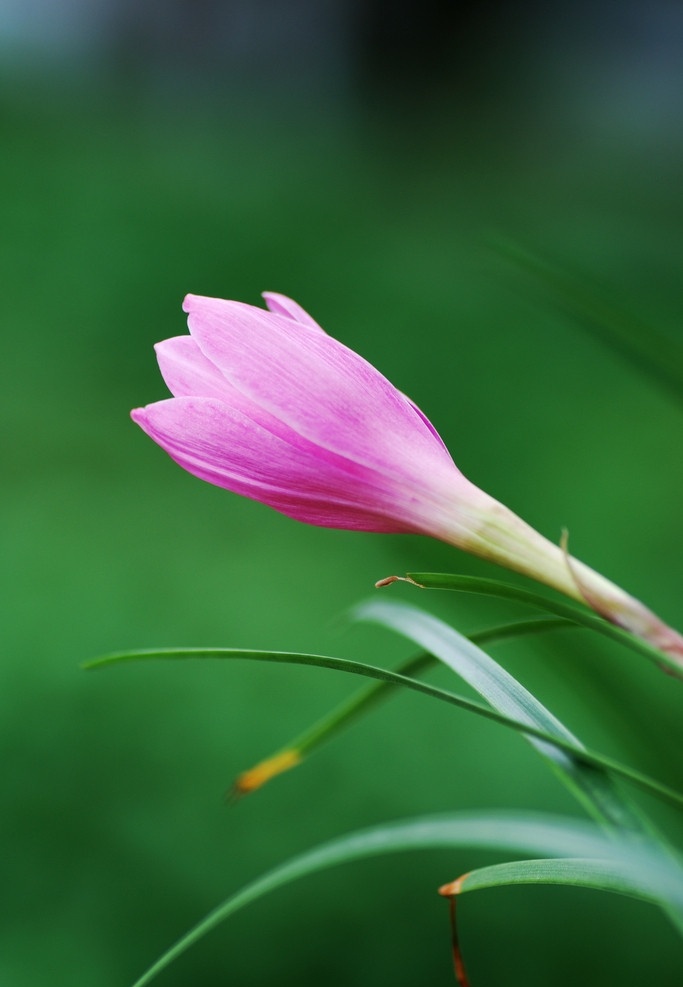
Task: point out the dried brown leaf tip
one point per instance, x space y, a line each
388 580
451 891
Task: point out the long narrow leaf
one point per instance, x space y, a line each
508 591
634 875
619 876
594 788
508 831
599 761
294 752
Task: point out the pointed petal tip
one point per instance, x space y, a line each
274 299
173 343
283 305
196 303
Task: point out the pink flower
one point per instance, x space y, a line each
267 405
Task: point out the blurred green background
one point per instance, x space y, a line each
360 159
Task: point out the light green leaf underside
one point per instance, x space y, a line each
394 679
594 788
582 617
365 699
508 831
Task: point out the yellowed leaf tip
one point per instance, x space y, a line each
256 777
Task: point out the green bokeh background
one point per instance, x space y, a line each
377 215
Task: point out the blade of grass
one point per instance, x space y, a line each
593 787
619 876
294 752
582 754
510 831
508 591
634 877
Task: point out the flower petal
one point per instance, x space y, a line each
223 446
317 386
281 305
187 371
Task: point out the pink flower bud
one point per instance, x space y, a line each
267 405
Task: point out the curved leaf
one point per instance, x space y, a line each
394 679
594 788
618 876
511 831
301 746
635 875
508 591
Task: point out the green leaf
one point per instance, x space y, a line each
619 876
633 876
510 831
508 591
393 679
293 752
594 788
